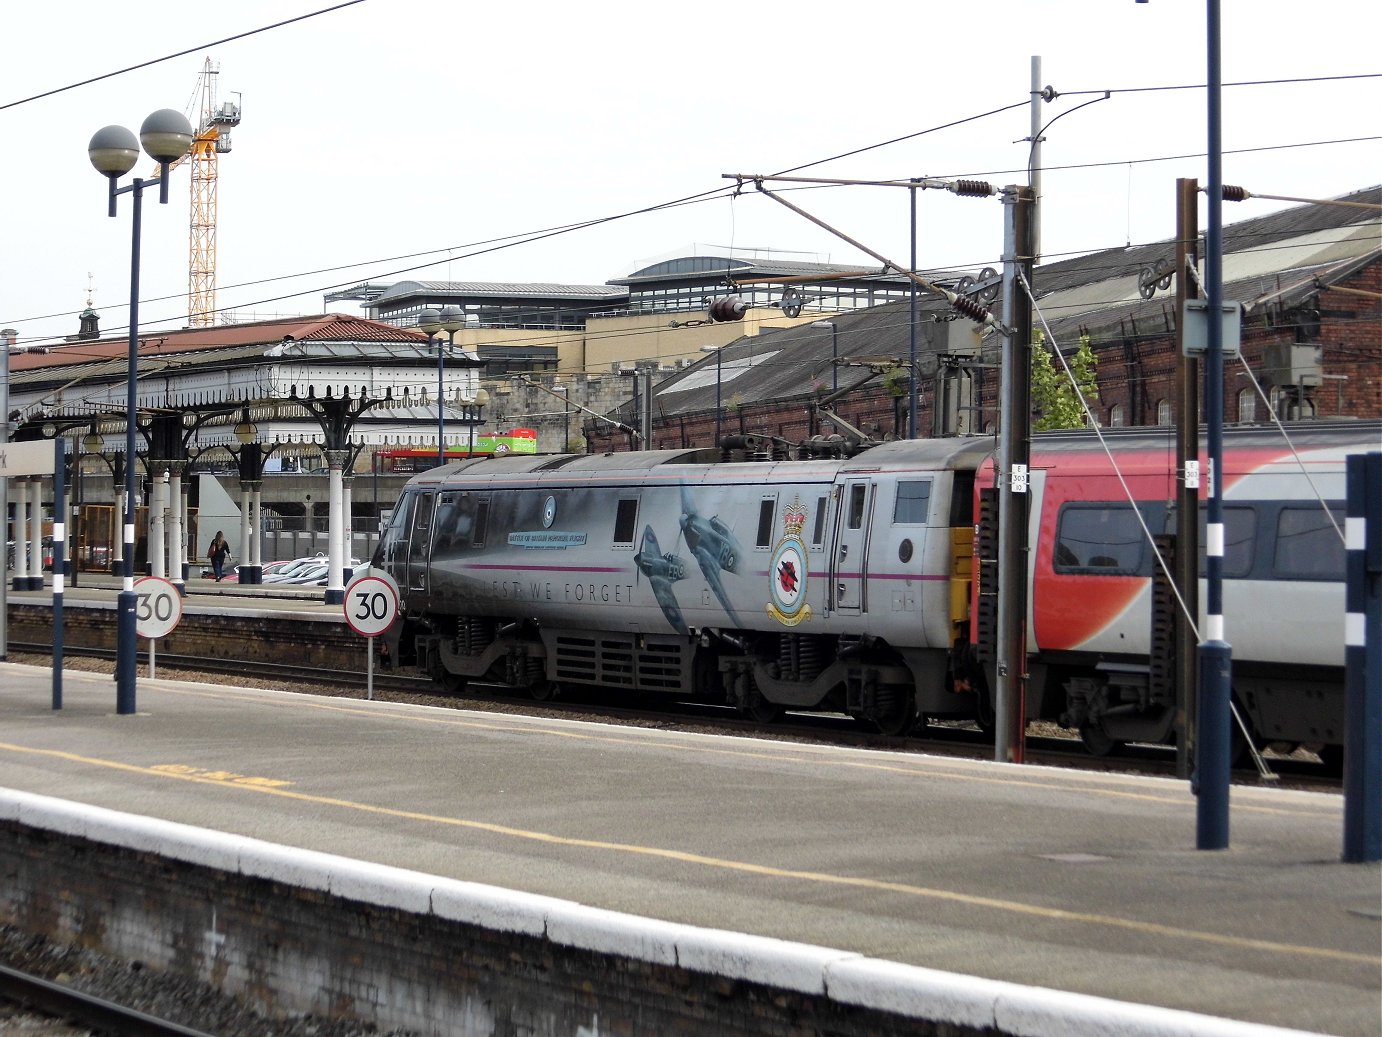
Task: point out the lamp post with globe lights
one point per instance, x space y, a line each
450 319
166 136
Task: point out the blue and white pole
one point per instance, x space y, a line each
1212 748
1363 659
59 559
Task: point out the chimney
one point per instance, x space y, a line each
10 336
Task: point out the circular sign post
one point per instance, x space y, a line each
371 605
157 611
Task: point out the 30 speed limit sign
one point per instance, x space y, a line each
371 603
158 607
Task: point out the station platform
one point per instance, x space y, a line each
1071 882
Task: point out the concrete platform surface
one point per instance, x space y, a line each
1087 883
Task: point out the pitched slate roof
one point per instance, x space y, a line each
1269 261
326 327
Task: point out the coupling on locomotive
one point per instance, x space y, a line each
849 583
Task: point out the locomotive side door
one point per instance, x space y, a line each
392 554
419 542
849 559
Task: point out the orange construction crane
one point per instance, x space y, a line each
211 141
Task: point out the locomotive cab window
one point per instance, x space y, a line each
444 538
401 516
422 524
818 530
913 502
625 520
1102 538
395 547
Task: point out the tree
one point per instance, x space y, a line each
1055 401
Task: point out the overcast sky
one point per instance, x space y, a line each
388 134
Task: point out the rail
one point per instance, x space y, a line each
54 999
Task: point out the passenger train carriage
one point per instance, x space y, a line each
846 584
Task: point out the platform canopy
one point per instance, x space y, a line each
280 371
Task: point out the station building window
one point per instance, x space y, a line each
1247 405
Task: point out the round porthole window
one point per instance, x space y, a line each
904 551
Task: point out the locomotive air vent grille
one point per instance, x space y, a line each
661 667
616 662
576 659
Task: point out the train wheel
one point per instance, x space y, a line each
544 690
760 709
895 712
452 683
983 711
1097 742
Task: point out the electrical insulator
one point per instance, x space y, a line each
973 188
728 309
1235 194
970 309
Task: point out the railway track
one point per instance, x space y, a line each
63 1011
1043 747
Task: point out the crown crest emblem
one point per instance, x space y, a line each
794 517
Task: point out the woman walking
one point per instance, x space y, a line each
217 553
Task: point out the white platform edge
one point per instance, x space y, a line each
841 976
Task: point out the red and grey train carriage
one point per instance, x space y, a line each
1093 609
846 584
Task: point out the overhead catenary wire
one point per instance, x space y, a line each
951 124
1233 193
971 309
526 237
178 54
1363 356
1242 82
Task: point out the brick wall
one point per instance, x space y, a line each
266 638
286 949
